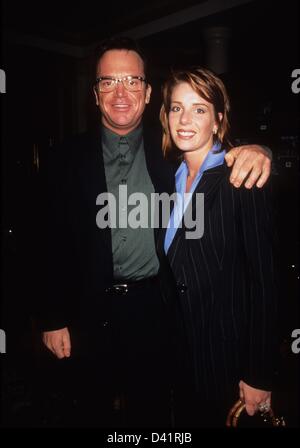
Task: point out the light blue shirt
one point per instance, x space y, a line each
182 200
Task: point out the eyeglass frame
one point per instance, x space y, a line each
116 80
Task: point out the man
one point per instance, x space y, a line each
104 308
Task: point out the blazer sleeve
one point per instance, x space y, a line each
259 245
54 304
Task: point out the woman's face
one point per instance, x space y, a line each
191 119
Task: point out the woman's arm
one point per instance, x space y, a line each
258 244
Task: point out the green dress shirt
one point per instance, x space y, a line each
133 249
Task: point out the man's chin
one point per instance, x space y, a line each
120 128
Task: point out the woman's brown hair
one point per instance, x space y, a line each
208 86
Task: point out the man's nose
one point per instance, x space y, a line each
120 89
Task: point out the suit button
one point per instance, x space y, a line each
105 323
181 287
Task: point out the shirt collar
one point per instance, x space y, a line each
111 140
212 160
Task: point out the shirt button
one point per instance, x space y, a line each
181 287
105 324
124 238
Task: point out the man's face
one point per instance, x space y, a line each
121 110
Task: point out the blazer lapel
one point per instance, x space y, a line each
161 172
208 186
93 180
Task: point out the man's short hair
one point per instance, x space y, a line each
120 43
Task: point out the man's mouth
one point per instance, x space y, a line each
121 107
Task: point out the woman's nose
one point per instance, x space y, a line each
185 117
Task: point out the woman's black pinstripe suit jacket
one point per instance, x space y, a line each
226 287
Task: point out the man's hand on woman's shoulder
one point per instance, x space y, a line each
251 163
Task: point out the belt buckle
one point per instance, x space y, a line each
121 288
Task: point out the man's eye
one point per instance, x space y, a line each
107 83
132 82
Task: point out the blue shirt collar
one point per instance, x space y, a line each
212 160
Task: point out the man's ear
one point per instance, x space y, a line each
148 93
96 96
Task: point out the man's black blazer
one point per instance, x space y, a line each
76 254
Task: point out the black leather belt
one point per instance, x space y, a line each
124 287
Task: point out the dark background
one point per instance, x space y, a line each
47 53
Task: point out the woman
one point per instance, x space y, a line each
225 279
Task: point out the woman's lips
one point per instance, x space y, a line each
185 134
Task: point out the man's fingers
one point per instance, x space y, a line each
67 352
265 174
240 169
253 178
67 345
59 342
248 164
259 175
229 159
232 155
59 351
55 349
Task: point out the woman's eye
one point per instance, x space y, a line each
199 110
175 108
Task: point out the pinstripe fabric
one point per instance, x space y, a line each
227 297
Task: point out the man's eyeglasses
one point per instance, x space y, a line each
131 83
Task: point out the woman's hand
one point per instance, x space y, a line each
254 399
